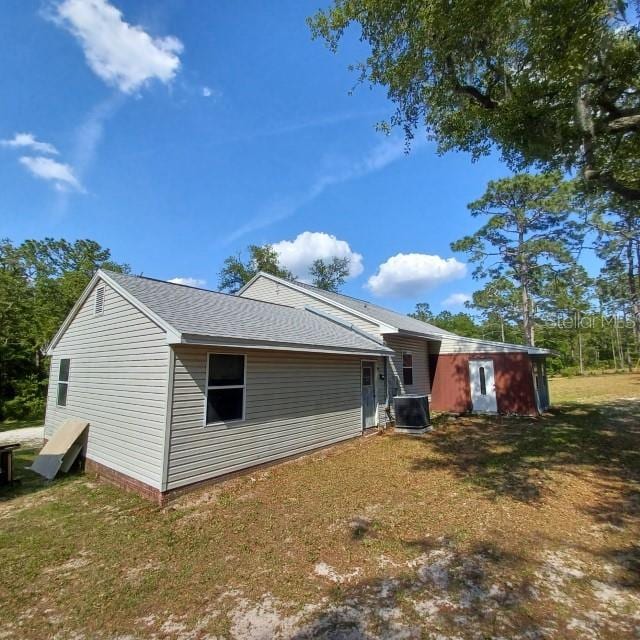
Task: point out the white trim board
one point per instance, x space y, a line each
172 333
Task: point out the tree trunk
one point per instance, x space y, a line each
633 290
580 359
523 268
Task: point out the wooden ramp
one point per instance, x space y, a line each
62 450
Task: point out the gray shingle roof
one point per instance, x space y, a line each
393 318
199 312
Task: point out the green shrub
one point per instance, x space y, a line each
28 402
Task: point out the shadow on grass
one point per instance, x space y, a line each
444 590
27 482
512 456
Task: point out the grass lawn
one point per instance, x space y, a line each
485 528
9 425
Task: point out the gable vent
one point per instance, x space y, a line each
99 302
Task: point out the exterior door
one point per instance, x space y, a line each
483 386
368 395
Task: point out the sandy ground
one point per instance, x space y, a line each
28 437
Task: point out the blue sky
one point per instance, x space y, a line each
176 133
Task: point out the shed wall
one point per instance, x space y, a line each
118 383
513 378
294 402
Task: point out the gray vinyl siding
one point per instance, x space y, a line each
418 348
294 402
118 383
270 291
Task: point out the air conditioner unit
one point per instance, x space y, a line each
411 413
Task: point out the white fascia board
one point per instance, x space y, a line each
505 346
72 314
426 336
220 341
173 334
242 289
384 328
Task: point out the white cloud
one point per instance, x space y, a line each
207 92
60 174
121 54
297 255
408 274
456 300
28 140
189 282
380 156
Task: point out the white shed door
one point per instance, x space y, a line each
483 386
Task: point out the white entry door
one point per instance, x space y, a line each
368 395
483 386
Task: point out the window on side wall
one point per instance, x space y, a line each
63 381
226 386
407 368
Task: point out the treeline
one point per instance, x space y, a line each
535 231
40 281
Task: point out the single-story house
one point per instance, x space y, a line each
181 385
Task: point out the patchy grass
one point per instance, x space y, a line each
9 425
487 527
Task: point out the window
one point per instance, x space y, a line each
225 387
366 376
407 368
98 307
63 382
483 381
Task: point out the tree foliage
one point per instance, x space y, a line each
460 323
529 231
236 272
551 84
617 224
329 275
40 280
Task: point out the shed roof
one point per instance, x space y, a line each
202 316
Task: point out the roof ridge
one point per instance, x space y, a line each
188 286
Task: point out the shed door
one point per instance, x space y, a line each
368 395
483 386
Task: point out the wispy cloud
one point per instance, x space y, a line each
29 141
59 174
456 300
188 281
122 55
380 156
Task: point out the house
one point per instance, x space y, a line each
459 374
181 385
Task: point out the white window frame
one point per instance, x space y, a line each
59 382
95 301
407 353
242 386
